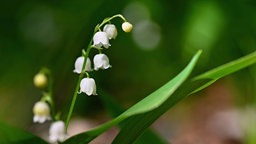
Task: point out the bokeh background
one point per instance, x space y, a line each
35 34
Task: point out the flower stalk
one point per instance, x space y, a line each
44 109
85 54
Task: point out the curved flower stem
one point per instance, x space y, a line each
108 20
90 46
47 96
51 101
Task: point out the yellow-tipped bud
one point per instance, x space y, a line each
40 80
127 27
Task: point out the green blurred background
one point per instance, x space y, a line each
166 34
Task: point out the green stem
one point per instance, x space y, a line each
77 86
50 87
109 19
47 96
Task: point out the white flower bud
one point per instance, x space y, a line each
127 27
101 61
101 39
111 31
57 132
88 86
41 112
79 65
40 80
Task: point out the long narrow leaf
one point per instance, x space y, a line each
115 109
151 102
136 125
12 135
226 69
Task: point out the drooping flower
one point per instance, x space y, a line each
101 61
111 31
127 27
57 132
79 65
41 112
101 39
88 86
40 80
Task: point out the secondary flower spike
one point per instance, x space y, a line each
101 39
88 86
111 31
79 65
101 61
41 112
57 132
127 27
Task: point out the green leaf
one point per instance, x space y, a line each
149 137
136 125
151 102
115 109
225 69
12 135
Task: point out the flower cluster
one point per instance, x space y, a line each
100 61
42 109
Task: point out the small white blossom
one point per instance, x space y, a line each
41 112
40 80
57 132
127 27
88 86
101 39
79 65
111 31
101 61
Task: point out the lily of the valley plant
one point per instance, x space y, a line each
44 109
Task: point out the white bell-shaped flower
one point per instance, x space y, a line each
101 61
41 112
79 65
88 86
111 31
57 132
101 39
